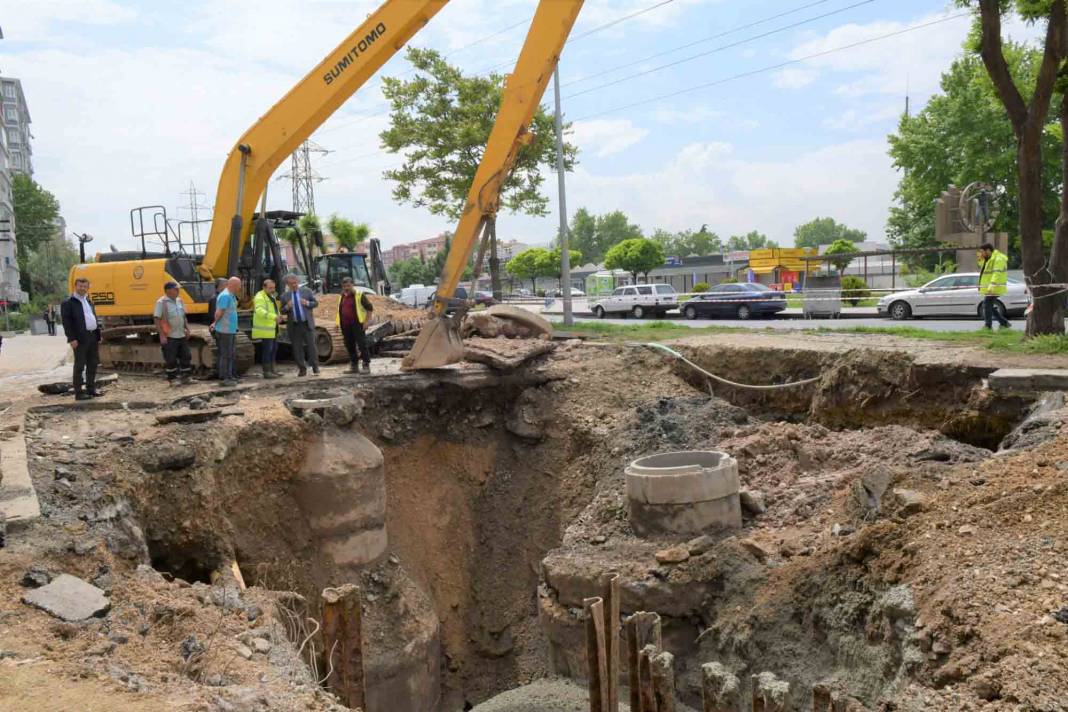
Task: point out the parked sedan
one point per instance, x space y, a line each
953 295
743 300
485 298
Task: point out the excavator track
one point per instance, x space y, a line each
135 349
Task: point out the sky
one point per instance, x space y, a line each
762 122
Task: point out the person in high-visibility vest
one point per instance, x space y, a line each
265 320
353 312
993 283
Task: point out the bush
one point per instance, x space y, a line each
854 289
701 287
18 321
730 280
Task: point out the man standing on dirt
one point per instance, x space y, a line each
265 320
353 311
298 304
993 283
226 331
83 334
173 326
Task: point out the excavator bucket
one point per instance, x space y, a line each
438 345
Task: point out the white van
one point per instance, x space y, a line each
416 295
640 300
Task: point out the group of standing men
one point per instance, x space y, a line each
295 307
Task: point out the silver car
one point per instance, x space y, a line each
953 295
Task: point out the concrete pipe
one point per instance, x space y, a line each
687 492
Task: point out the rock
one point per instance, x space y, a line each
244 651
36 577
674 555
227 598
753 501
700 545
201 415
966 530
3 529
84 545
525 419
69 598
261 646
598 539
190 647
167 456
756 549
910 501
63 472
1061 616
841 529
898 602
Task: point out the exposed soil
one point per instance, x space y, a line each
899 557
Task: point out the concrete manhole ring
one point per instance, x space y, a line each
685 492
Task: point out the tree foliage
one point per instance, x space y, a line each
347 233
854 289
534 263
405 273
752 240
440 121
594 235
36 211
824 231
637 256
688 243
963 135
841 247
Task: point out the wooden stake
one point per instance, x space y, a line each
596 654
719 688
642 629
663 668
343 644
646 689
821 698
610 594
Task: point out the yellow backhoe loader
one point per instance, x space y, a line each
240 242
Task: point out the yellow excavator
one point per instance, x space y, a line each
241 242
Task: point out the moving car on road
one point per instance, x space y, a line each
639 300
953 295
744 300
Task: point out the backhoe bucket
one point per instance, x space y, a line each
438 345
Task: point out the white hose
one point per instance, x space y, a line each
720 379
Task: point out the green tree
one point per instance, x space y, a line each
961 136
556 265
854 289
689 242
613 228
347 233
440 121
582 235
841 247
752 240
411 271
824 231
637 256
533 263
47 268
36 210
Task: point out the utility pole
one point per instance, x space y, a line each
304 177
565 254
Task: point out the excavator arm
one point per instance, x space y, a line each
439 341
296 116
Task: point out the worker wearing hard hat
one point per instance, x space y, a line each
993 283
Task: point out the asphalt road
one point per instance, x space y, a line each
930 323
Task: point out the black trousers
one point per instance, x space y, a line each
86 359
356 339
990 312
178 358
302 340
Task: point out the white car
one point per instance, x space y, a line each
953 295
640 300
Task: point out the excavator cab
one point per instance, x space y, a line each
334 267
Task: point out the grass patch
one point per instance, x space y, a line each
1011 341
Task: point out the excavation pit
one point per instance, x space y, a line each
687 492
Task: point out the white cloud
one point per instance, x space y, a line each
794 78
688 115
40 20
605 137
860 119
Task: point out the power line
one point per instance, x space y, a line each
719 49
772 68
696 42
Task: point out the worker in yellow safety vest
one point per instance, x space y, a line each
353 311
265 320
993 283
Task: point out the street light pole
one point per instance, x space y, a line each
565 254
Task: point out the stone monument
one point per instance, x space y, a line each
951 228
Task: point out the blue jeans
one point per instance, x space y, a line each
268 349
991 312
227 357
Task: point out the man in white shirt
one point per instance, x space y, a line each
173 325
83 334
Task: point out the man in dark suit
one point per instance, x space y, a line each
83 334
298 304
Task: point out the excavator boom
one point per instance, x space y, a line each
296 116
439 341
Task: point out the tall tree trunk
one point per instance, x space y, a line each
1028 120
1058 259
